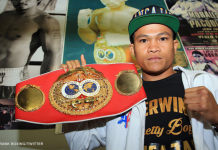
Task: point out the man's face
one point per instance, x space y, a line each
4 111
198 57
24 4
154 48
113 3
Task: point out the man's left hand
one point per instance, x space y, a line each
201 100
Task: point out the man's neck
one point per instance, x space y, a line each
157 76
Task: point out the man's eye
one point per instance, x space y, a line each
143 40
163 39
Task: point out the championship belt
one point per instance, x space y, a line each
85 93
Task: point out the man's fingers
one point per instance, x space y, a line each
194 107
72 64
77 63
69 64
193 100
192 94
64 66
83 61
196 92
194 88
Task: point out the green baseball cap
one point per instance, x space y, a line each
150 15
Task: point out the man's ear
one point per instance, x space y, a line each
175 43
131 48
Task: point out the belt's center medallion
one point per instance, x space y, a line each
80 91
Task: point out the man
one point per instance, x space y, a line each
163 120
22 32
108 29
4 119
202 63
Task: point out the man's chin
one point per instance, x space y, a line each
151 71
155 71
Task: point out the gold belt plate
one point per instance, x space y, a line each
30 98
128 82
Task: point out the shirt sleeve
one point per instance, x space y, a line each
86 135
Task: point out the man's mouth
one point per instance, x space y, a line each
154 59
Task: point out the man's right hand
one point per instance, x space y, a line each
72 64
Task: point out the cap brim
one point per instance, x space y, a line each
170 21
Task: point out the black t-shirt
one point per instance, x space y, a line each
167 122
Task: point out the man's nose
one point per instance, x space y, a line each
153 47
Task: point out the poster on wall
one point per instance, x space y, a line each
203 58
198 31
31 40
31 43
100 31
